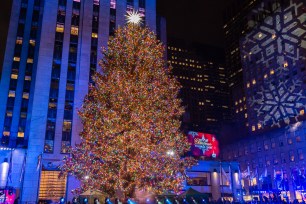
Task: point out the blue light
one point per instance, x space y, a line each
85 200
148 199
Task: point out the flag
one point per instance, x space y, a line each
224 174
274 174
249 174
230 176
239 176
22 168
9 176
39 162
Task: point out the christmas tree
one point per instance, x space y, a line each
131 119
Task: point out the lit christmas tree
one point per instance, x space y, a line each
131 119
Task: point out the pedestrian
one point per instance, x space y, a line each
96 201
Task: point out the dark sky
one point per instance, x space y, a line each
196 20
193 20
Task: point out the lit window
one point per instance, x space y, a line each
94 35
6 133
246 115
74 30
25 95
286 64
253 128
265 76
27 78
254 81
260 35
259 125
30 60
9 114
11 93
17 59
248 85
59 28
272 72
19 41
302 112
14 76
20 134
32 42
273 36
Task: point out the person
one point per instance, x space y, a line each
96 201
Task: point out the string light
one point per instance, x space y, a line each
131 119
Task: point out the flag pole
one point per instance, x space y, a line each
221 182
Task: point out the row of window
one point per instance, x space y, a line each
265 146
16 75
55 76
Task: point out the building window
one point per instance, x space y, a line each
291 156
273 144
289 141
298 139
266 144
50 182
300 154
268 161
59 28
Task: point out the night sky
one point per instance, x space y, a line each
194 20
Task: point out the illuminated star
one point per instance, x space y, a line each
133 17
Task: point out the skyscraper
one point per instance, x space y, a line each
235 26
204 92
273 63
273 66
53 48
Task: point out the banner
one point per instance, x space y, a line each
203 144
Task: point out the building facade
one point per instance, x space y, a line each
235 26
204 85
273 66
53 48
219 180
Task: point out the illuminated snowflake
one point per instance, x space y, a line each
281 102
203 144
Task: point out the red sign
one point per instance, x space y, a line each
203 144
7 196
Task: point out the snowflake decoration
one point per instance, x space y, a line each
202 144
277 103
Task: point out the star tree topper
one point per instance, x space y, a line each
133 17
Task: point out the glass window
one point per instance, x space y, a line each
291 156
300 154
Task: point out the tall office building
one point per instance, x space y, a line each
53 48
274 80
235 26
204 91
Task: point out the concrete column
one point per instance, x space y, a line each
151 14
215 185
82 78
120 13
103 28
40 104
62 84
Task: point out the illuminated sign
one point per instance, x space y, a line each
203 144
